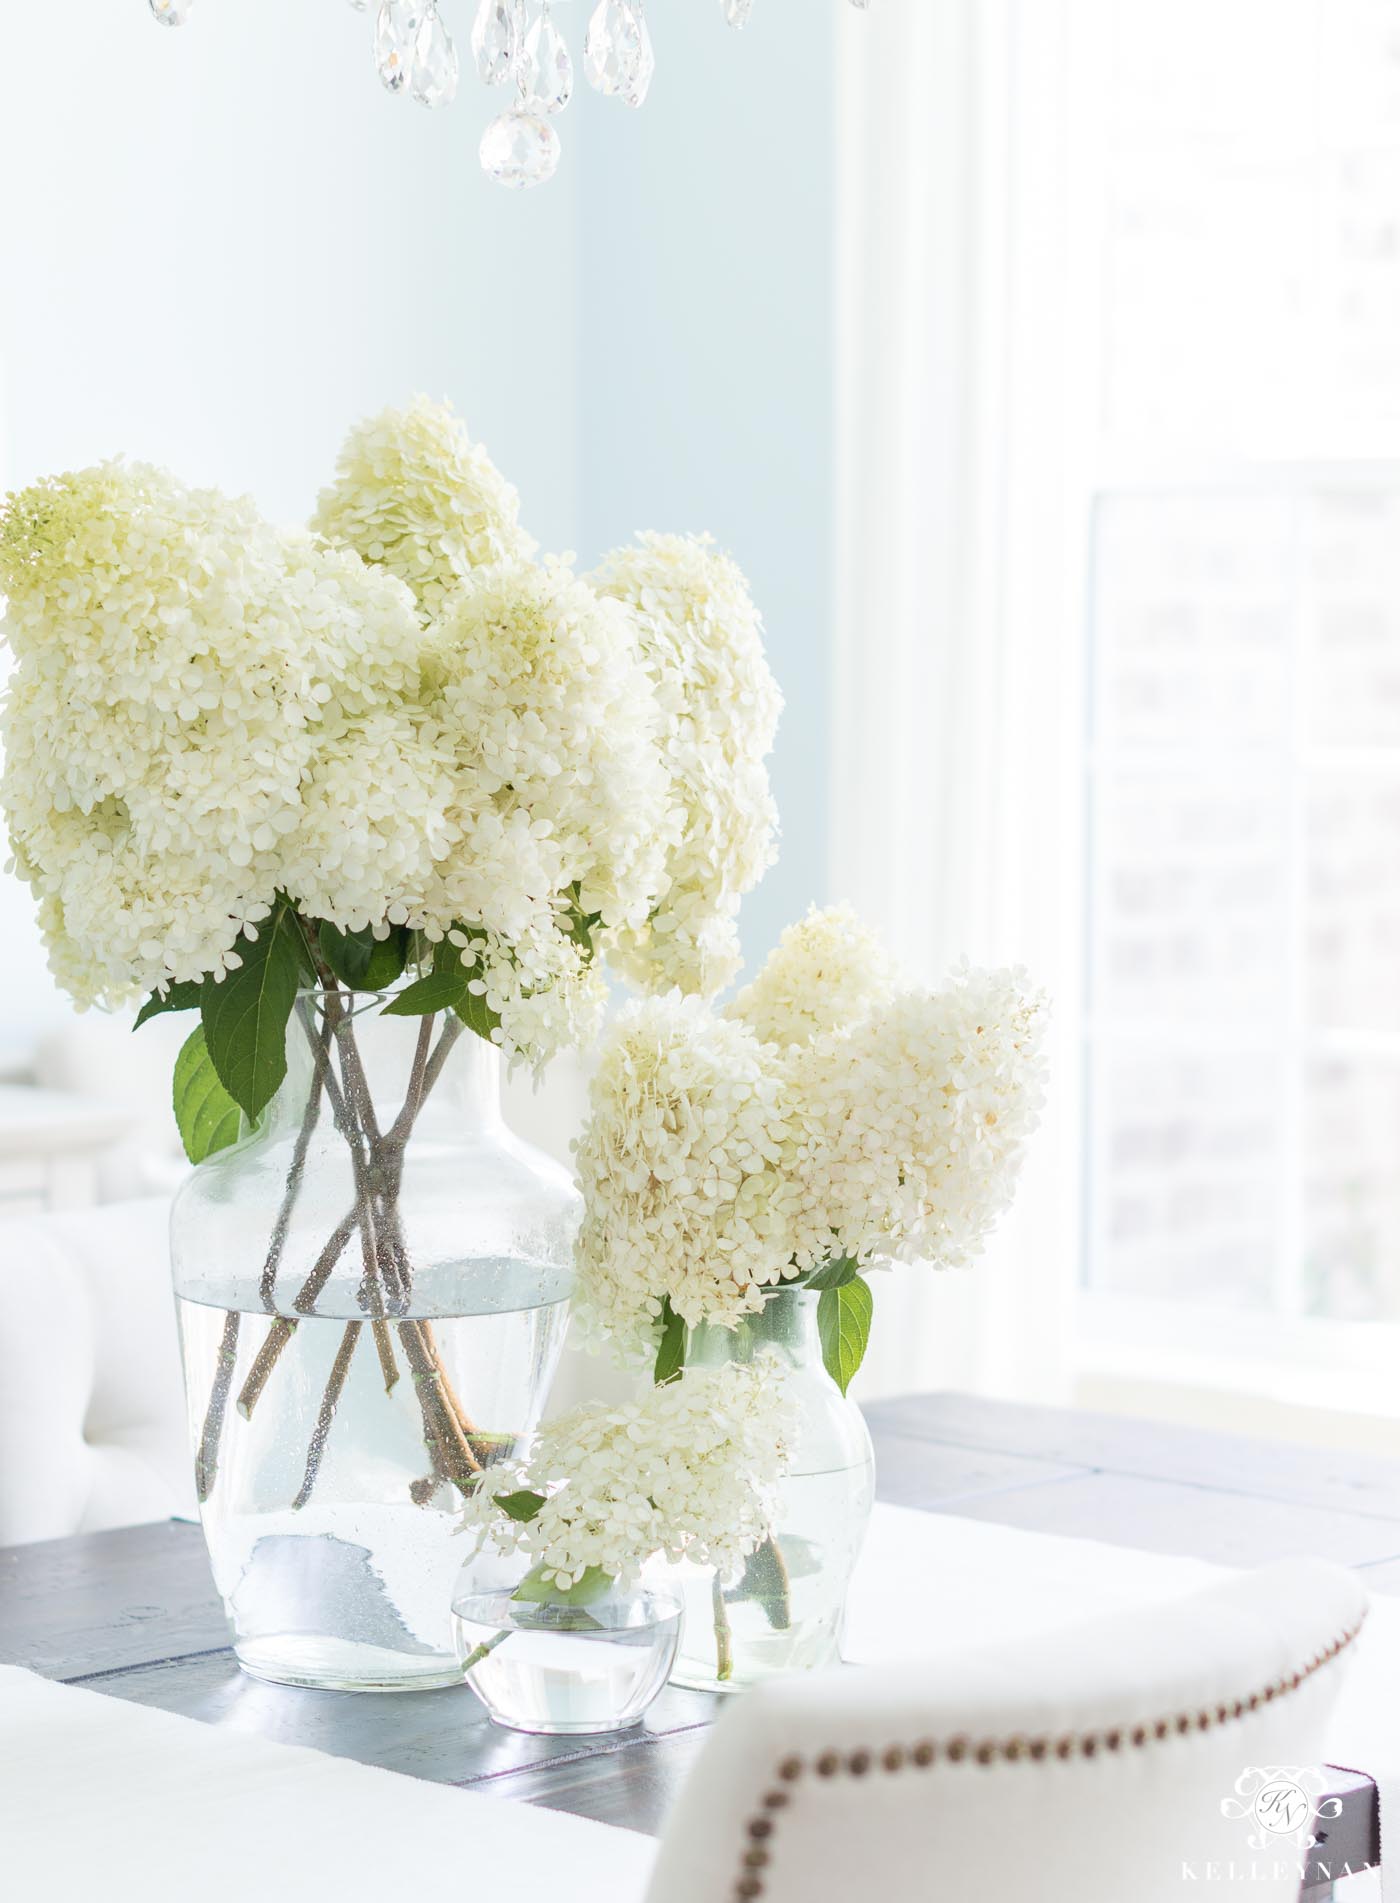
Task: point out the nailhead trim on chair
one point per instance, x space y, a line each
758 1852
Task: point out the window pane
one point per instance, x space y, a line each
1352 1265
1353 584
1191 900
1353 915
1195 609
1185 1154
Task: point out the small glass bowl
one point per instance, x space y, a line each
550 1665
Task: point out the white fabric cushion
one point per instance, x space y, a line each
1116 1818
92 1410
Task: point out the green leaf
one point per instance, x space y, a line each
834 1274
670 1352
477 1015
520 1506
208 1118
245 1017
535 1590
843 1322
181 997
472 1009
439 991
361 960
306 959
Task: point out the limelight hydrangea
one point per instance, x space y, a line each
826 973
408 723
177 663
414 493
688 1471
703 644
681 1166
915 1125
715 1166
537 690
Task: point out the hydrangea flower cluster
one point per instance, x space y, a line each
178 664
826 973
416 495
702 642
682 1165
689 1471
401 721
726 1154
914 1124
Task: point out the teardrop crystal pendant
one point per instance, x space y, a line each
520 149
171 12
644 65
496 34
435 65
395 31
736 12
612 47
548 78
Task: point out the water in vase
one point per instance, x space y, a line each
784 1613
561 1670
343 1445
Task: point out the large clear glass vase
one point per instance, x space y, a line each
784 1611
373 1290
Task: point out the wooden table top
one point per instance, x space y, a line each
133 1613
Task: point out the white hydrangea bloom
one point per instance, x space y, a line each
826 973
410 724
715 1166
915 1124
703 644
689 1471
414 493
538 694
681 1166
177 663
374 824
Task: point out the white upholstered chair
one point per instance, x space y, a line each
1089 1769
92 1427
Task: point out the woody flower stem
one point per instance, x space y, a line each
456 1449
724 1637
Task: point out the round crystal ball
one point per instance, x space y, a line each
519 149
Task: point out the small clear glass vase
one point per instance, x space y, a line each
373 1288
784 1611
542 1661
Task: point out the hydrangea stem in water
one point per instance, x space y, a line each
457 1449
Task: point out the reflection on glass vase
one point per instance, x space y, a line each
373 1289
783 1613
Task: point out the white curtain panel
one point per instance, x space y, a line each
956 711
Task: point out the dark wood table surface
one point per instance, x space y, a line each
133 1612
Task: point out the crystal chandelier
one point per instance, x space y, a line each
513 42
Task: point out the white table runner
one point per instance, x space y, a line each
101 1799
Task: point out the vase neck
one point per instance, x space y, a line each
787 1322
450 1075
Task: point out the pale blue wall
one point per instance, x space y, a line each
705 382
223 242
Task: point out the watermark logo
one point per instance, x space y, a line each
1282 1803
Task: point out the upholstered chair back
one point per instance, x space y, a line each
92 1425
1094 1768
